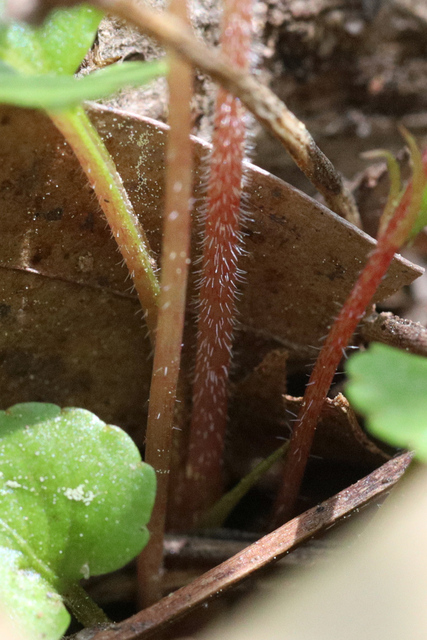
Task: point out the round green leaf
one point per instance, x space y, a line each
389 387
74 494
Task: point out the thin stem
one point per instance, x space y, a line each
217 307
174 274
395 234
102 174
395 191
83 608
260 100
217 515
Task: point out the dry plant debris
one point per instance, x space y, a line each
54 237
266 550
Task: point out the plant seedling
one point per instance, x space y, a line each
52 92
112 198
44 59
37 66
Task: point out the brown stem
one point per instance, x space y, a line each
260 100
258 555
173 286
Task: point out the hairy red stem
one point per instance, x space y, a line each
329 358
217 307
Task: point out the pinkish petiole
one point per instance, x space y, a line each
394 236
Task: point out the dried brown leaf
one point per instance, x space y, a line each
261 421
66 297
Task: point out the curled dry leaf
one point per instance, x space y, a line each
71 333
340 436
263 415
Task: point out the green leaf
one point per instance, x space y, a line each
57 46
30 599
52 92
37 63
74 501
389 387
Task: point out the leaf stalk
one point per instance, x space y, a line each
175 261
103 176
395 235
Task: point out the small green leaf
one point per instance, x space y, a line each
389 387
52 92
74 501
57 46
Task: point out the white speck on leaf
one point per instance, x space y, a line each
78 494
85 571
13 485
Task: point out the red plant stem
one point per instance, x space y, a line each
173 286
329 358
217 308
